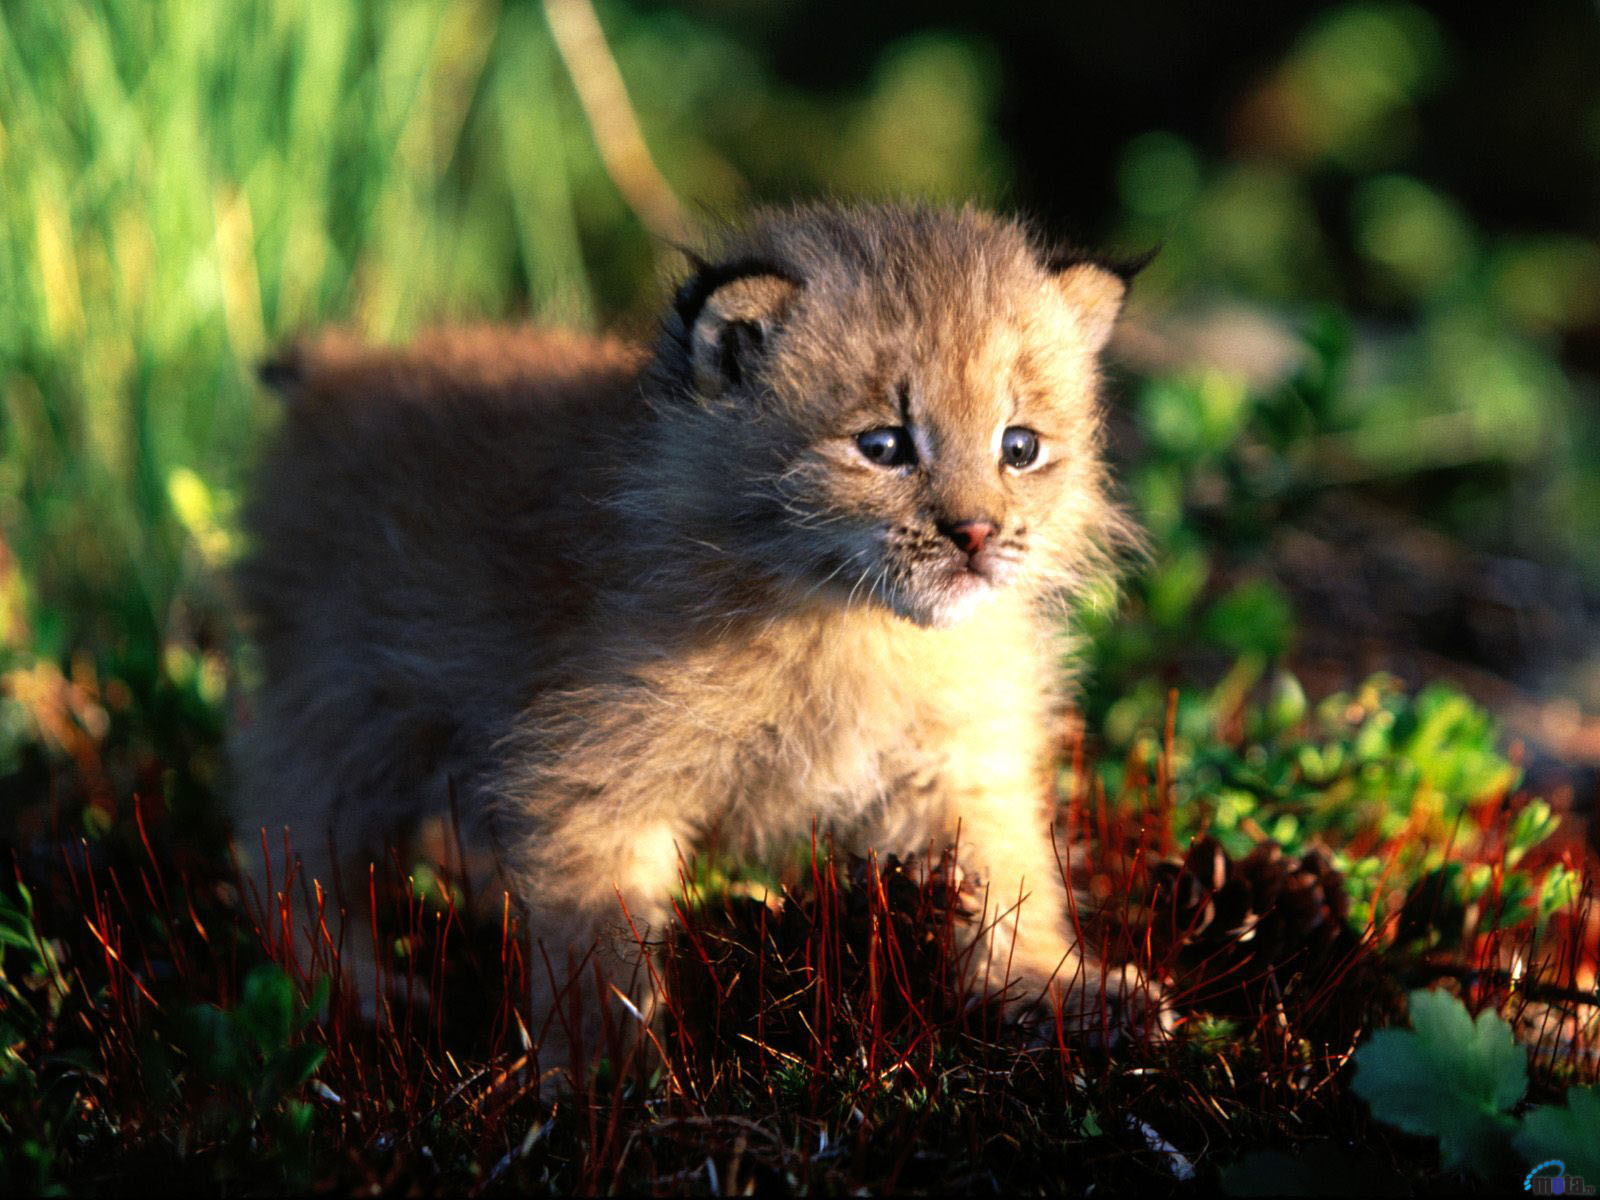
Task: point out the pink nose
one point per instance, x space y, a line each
969 535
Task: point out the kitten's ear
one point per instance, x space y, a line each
1095 288
730 313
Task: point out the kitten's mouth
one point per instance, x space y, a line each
992 568
982 567
933 589
968 573
950 590
965 581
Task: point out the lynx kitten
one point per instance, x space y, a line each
799 566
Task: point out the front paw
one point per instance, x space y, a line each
1100 1008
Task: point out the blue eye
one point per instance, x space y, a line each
887 447
1019 447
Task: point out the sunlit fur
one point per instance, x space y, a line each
620 603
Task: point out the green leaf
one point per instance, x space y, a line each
1570 1133
1287 706
1513 905
1533 823
297 1117
1450 1077
1560 889
267 1007
213 1040
287 1070
1175 585
1255 617
321 989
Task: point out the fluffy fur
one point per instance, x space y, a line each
616 602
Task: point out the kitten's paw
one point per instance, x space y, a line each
1098 1009
960 889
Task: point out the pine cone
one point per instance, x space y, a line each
1255 931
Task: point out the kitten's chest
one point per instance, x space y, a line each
817 731
825 763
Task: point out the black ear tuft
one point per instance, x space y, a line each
1127 267
692 294
1094 286
1124 267
725 317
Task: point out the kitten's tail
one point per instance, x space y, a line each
284 374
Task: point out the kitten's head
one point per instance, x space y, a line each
891 406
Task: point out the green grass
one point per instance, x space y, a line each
185 186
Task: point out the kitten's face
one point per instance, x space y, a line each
919 437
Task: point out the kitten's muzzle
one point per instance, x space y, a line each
969 535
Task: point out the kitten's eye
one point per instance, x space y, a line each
887 447
1019 447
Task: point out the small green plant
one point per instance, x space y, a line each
31 991
27 963
252 1061
1458 1079
1221 464
1569 1132
1407 792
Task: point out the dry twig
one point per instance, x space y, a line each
582 45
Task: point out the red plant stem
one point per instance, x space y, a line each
270 899
1164 783
874 930
1075 795
1100 813
817 961
144 950
174 943
114 959
761 991
658 988
380 1002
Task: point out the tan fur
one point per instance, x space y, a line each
616 603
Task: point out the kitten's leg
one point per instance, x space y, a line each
303 846
315 909
599 898
1023 943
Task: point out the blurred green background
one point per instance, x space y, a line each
1354 403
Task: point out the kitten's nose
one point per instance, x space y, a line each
968 535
